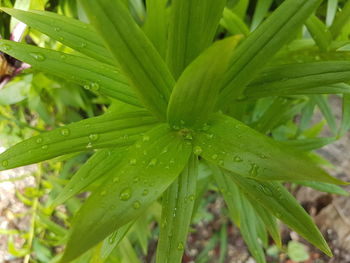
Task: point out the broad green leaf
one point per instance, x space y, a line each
306 78
98 166
156 25
262 44
70 32
136 55
199 85
319 32
341 20
345 123
324 187
177 207
309 144
233 23
278 201
96 76
230 144
148 169
108 130
260 12
192 29
325 107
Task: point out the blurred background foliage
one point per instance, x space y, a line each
33 102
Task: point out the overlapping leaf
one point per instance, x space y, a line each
240 149
138 181
192 28
136 55
177 210
108 130
94 75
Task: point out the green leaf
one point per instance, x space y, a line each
319 32
341 20
15 91
332 6
108 130
151 165
136 55
98 166
297 252
192 29
325 107
70 32
306 78
262 44
278 201
345 123
233 23
240 149
324 187
177 209
260 12
309 144
199 85
156 25
96 76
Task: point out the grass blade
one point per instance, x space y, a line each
319 32
136 55
192 29
108 130
345 123
137 182
261 10
341 20
233 23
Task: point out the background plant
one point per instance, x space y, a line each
182 105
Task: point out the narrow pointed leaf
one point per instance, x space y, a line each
260 12
278 201
324 187
156 25
151 165
199 85
233 23
262 44
332 6
309 144
319 32
325 107
70 32
135 53
307 78
108 130
94 75
240 149
192 28
345 124
341 20
98 166
177 207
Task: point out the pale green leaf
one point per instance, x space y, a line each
108 130
240 149
233 23
319 32
177 207
341 20
135 53
151 165
325 107
192 29
260 12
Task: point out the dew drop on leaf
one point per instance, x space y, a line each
153 162
145 138
57 29
37 56
83 44
6 47
89 145
221 162
191 197
145 192
136 179
125 194
39 140
94 86
132 161
44 147
5 163
116 180
65 132
197 150
254 170
113 237
214 156
94 137
136 205
180 246
237 159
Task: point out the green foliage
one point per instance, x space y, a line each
190 95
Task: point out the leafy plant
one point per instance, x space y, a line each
185 103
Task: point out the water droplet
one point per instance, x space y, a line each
136 179
176 127
145 138
253 170
83 44
132 161
57 29
263 156
39 140
5 163
172 161
94 137
197 150
188 136
206 127
136 205
6 47
214 156
210 136
103 193
94 86
87 86
113 237
116 180
153 162
180 246
65 132
89 145
125 194
63 57
145 192
44 147
191 197
237 159
221 162
37 56
267 191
